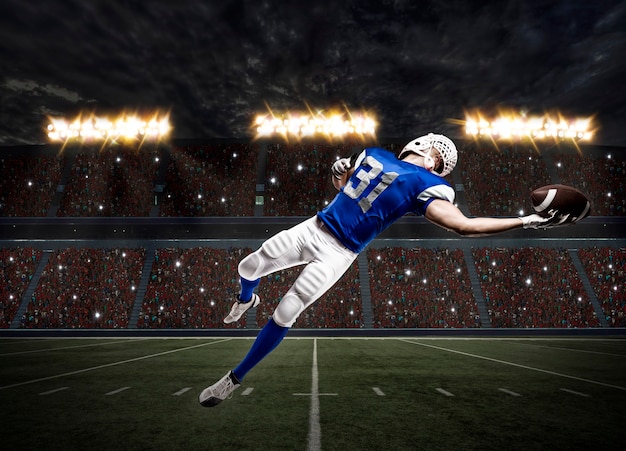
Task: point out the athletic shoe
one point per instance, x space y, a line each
239 308
219 391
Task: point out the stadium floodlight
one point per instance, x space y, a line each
517 126
155 127
331 125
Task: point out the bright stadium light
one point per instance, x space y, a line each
300 125
517 126
155 127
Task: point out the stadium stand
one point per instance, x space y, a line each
86 288
210 180
421 288
606 269
28 184
219 179
293 178
192 288
601 177
533 288
500 181
17 266
116 181
297 182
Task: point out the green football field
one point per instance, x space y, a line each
315 393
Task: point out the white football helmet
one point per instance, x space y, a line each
425 144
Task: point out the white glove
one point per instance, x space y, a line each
340 167
536 221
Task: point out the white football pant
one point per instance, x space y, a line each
308 243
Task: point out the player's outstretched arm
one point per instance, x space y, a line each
447 215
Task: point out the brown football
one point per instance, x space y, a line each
565 199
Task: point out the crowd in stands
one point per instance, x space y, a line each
17 266
533 288
192 288
115 181
84 288
28 184
606 269
298 179
601 178
220 179
410 288
499 182
211 180
428 288
339 307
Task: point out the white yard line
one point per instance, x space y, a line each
504 362
444 392
49 392
115 392
315 432
247 391
181 391
69 347
122 362
319 394
378 391
509 392
577 393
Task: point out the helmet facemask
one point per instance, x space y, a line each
439 152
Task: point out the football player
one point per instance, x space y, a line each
375 189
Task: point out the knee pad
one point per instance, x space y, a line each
308 287
249 266
288 310
278 245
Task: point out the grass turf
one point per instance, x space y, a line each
410 414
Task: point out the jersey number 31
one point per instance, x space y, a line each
368 178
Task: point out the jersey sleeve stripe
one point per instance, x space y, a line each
444 192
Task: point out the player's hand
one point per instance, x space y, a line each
340 167
551 221
560 220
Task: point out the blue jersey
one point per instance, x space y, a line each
381 190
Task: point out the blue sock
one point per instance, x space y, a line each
247 287
269 337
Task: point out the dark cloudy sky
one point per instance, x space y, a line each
214 64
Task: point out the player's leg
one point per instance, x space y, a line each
315 279
328 261
247 288
283 250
